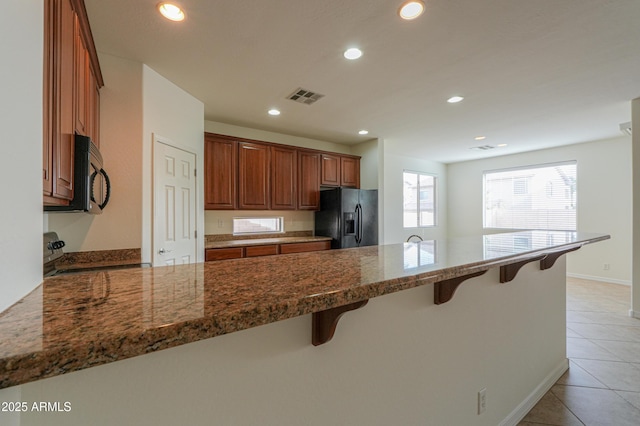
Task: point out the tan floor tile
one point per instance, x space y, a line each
632 398
597 406
586 349
626 351
571 333
577 376
606 332
608 318
615 375
550 411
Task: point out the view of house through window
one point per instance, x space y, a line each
257 225
536 197
419 195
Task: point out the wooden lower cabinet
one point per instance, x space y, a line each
265 250
305 247
255 251
224 253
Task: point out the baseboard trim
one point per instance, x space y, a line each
600 279
634 314
530 401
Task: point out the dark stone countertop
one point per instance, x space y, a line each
73 322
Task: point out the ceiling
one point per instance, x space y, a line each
534 74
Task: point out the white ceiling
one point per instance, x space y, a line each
534 74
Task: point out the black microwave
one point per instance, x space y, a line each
92 188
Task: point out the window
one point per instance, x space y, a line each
257 225
419 195
536 197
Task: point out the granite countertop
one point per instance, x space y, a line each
73 322
263 241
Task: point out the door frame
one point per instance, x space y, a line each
166 141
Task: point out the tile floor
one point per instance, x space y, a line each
602 386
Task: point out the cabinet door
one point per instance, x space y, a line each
330 170
350 172
308 180
305 247
283 178
48 99
223 254
63 141
220 174
253 176
94 110
81 81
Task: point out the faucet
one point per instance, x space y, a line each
414 235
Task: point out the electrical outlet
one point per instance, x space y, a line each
482 400
606 266
220 223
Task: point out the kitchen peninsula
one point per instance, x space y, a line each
66 325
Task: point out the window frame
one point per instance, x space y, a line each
530 167
418 211
280 220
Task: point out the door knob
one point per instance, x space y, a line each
163 251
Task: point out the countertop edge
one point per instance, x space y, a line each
29 367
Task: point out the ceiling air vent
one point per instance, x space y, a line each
626 128
482 147
304 96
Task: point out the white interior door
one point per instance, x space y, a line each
174 229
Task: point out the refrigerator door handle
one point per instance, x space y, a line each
359 224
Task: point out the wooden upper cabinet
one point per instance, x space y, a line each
220 175
81 81
350 172
253 176
63 136
72 77
47 101
330 170
339 170
244 174
283 178
94 110
308 180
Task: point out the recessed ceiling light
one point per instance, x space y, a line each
480 138
171 11
455 99
273 111
502 144
411 9
363 132
352 53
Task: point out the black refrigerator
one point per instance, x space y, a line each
348 216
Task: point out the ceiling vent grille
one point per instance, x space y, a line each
304 96
482 147
626 128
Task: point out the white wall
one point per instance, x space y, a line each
604 201
635 290
21 223
393 167
174 115
400 360
120 225
262 135
369 163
